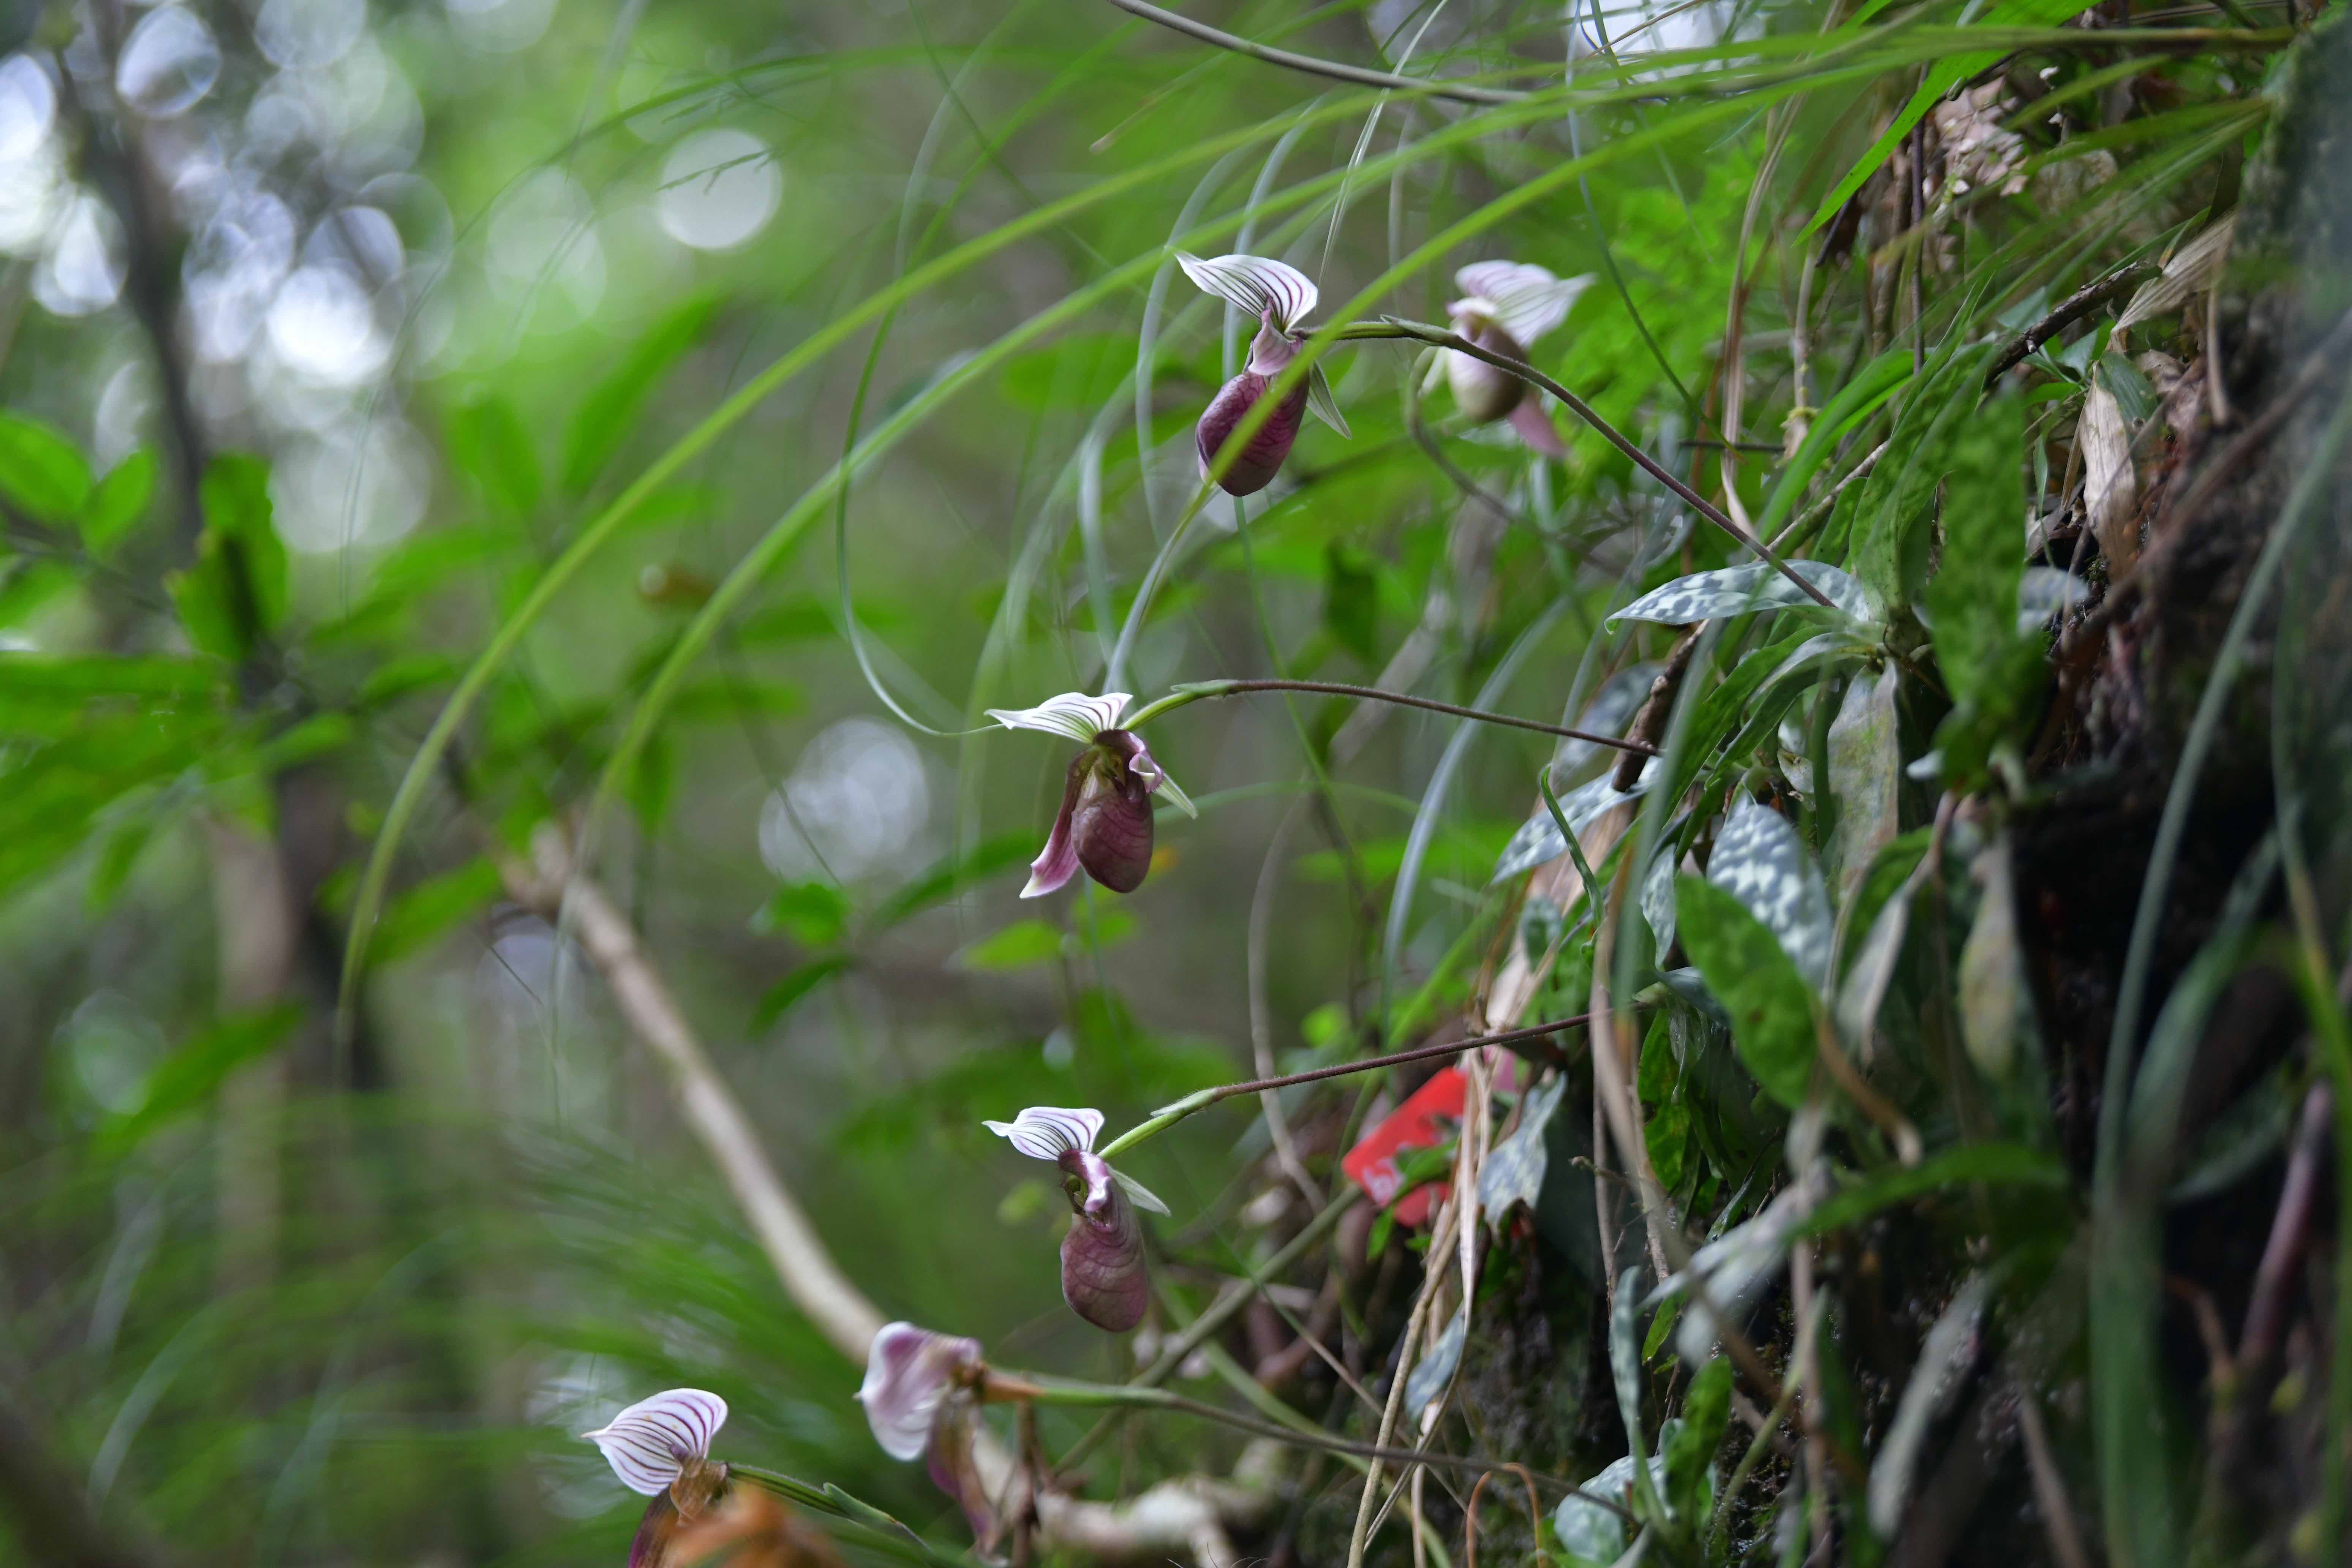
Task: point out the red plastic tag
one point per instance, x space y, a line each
1371 1165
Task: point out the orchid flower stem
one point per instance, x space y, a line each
1201 690
1161 1120
1391 326
1030 1388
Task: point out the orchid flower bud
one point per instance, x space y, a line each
1506 307
1279 296
910 1373
1105 823
660 1447
1103 1275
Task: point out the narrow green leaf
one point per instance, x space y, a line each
1020 945
950 878
119 503
433 906
41 471
488 444
1973 599
604 416
1941 78
782 997
1993 1165
188 1077
237 513
1750 973
814 914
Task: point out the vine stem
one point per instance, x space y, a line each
1337 70
1161 1120
1395 327
1202 690
1029 1388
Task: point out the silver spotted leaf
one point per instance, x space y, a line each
1513 1172
1758 860
1658 898
1610 710
1944 1358
1538 840
1436 1369
1865 761
1741 590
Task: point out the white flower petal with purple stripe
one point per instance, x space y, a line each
1073 714
1049 1131
650 1444
1256 284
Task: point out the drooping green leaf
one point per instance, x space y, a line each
1743 590
1020 945
1745 966
190 1075
814 914
488 444
1993 1165
41 472
1690 1451
1973 597
605 414
953 877
779 998
434 905
118 502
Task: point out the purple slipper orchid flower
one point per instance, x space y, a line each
1506 307
910 1373
660 1447
1278 296
913 1377
1102 1255
1105 824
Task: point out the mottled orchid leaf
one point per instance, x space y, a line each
1256 284
1612 708
1742 590
1734 1268
1538 839
1751 975
1435 1370
1865 762
1759 861
1973 595
1073 715
1658 898
1514 1170
1590 1531
1944 1358
649 1443
2043 592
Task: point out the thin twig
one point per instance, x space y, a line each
1398 327
1209 688
2069 310
1334 69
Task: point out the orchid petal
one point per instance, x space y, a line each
649 1443
1058 861
1322 404
1145 766
1144 1197
1073 714
1104 1277
1256 284
1524 300
909 1372
1049 1131
1536 428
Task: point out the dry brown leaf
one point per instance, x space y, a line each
2110 487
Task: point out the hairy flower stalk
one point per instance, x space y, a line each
1505 308
1279 296
660 1447
1103 1275
1105 823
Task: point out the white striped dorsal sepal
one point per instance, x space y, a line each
651 1443
1256 283
1049 1131
1073 714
